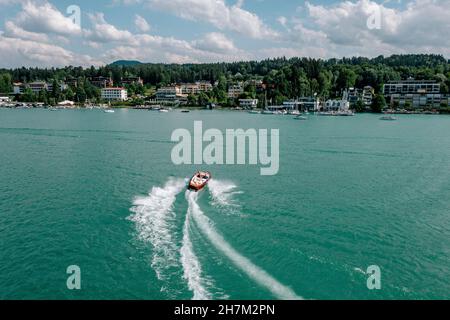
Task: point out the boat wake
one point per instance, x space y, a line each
155 220
222 196
199 284
254 272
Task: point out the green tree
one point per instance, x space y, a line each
378 103
28 96
5 83
359 106
80 95
56 92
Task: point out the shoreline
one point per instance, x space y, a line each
189 109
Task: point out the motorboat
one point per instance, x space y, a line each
108 111
388 118
185 111
163 110
199 181
301 118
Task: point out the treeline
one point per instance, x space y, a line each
284 78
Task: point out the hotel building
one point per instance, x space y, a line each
416 93
248 103
114 94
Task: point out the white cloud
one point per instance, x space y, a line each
45 18
16 52
141 24
14 31
215 42
104 32
341 29
219 14
146 47
423 24
150 48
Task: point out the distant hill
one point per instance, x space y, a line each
125 63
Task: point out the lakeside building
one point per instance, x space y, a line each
248 103
171 95
62 86
18 88
195 88
204 86
131 80
114 94
353 95
71 81
234 91
303 104
101 82
337 105
258 84
416 93
367 97
37 86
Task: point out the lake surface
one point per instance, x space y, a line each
100 191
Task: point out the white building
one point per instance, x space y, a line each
337 105
303 104
18 88
114 94
248 103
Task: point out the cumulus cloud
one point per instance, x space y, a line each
45 18
103 31
422 24
143 46
14 31
141 24
215 42
219 14
16 52
367 28
40 35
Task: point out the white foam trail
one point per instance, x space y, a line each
253 271
191 266
154 220
222 193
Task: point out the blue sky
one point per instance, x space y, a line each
42 33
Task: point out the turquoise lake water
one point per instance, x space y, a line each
100 191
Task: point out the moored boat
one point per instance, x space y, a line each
388 118
199 181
